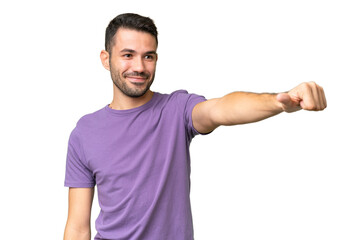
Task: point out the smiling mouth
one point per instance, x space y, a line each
136 80
136 77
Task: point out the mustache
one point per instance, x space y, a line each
136 74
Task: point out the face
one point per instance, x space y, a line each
132 62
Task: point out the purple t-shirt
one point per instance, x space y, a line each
139 159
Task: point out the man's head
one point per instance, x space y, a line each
130 55
129 21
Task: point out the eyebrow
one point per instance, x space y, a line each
132 51
151 52
127 50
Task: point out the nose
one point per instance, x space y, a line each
138 65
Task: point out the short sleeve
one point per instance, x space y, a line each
77 172
192 100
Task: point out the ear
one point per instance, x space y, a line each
104 56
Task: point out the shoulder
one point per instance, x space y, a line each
174 94
178 98
183 96
183 101
90 120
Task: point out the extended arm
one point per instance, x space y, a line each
78 222
242 107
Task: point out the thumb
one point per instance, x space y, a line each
284 98
288 104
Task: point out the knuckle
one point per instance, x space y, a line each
307 86
312 85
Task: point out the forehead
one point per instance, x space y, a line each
133 39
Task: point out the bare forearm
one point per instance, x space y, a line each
243 107
78 222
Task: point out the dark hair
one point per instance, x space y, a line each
129 21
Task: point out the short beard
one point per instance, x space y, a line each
120 83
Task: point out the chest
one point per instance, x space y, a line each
139 146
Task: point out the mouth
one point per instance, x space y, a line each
136 80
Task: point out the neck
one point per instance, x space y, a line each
123 102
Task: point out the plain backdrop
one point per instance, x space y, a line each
293 176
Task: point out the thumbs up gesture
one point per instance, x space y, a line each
308 96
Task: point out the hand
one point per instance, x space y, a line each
307 96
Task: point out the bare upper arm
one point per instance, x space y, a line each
79 213
203 116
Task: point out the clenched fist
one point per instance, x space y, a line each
308 96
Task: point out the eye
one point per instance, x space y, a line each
149 57
127 55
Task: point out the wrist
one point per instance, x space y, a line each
278 106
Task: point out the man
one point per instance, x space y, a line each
136 149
